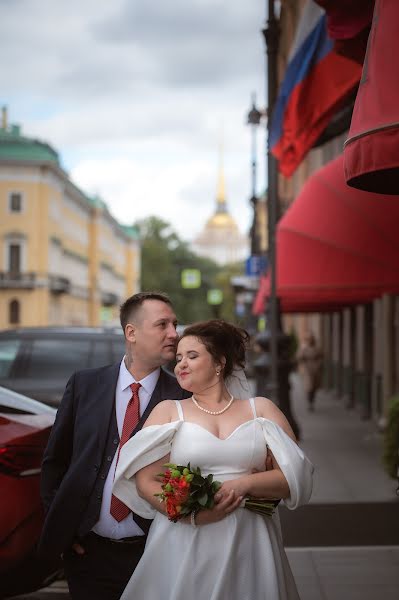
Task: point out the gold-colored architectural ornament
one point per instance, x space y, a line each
221 240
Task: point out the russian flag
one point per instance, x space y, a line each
316 84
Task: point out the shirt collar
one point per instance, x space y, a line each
148 382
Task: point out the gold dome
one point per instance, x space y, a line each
221 220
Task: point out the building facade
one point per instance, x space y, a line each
360 343
64 260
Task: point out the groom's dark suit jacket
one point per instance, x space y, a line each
80 451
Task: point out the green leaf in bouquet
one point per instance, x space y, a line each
195 494
202 500
197 480
186 510
210 478
170 465
216 485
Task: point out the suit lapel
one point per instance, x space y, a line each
155 398
167 388
105 402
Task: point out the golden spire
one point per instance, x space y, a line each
221 193
221 219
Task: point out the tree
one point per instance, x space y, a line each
163 258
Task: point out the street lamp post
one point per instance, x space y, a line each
254 119
279 344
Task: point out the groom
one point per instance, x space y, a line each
100 539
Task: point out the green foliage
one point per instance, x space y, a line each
165 255
391 439
222 281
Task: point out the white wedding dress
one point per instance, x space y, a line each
240 557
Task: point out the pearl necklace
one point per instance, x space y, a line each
213 412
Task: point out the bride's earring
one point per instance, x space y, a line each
218 373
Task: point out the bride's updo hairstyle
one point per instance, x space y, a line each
222 340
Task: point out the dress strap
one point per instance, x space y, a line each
179 410
252 403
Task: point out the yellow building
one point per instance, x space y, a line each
64 260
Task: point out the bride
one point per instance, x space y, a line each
227 552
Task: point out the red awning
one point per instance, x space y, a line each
348 24
372 149
336 246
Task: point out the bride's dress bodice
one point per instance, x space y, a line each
242 451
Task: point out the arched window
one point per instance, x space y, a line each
14 312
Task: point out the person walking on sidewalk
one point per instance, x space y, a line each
310 362
100 539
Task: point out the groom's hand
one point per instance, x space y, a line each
269 461
78 549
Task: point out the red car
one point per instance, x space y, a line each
25 426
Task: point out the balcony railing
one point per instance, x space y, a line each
109 299
12 281
59 285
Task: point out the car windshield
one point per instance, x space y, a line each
8 352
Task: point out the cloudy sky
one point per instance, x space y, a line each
134 95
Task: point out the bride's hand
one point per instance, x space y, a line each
238 486
226 505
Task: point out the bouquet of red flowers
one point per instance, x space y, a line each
185 490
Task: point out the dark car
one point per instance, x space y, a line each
25 426
38 361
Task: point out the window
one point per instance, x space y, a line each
53 358
14 258
8 353
15 202
14 312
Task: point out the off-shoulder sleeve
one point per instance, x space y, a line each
296 467
146 447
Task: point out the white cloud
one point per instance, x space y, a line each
133 98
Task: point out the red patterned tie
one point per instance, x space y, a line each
132 416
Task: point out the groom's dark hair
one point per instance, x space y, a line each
131 306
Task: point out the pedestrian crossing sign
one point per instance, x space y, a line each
190 279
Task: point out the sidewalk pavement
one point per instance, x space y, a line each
349 479
345 450
336 573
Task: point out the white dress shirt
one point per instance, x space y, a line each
107 526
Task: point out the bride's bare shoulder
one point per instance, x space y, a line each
164 412
268 410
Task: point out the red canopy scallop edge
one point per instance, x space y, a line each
336 246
